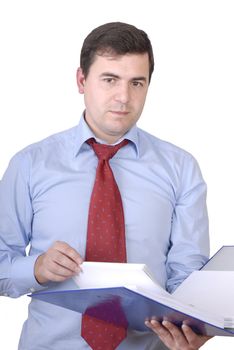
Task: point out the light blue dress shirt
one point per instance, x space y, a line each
44 197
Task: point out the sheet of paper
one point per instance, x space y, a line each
188 309
103 275
211 291
223 260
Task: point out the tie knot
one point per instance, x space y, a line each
105 152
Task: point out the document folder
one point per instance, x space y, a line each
130 305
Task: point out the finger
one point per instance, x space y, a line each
189 334
52 267
61 271
68 251
60 262
176 334
58 276
153 324
63 262
192 338
45 269
161 331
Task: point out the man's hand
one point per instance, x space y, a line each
57 264
176 338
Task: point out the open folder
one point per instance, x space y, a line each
127 294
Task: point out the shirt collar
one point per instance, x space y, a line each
84 133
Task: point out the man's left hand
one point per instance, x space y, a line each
176 338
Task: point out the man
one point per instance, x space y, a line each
45 197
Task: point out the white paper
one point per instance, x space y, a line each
188 309
223 260
211 291
103 275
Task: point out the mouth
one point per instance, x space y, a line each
120 113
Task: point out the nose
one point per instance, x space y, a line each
122 94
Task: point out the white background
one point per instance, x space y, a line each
190 102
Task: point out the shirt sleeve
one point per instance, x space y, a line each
189 244
16 214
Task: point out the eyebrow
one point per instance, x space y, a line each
107 74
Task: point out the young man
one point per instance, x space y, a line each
45 198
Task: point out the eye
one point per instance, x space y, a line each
109 80
137 83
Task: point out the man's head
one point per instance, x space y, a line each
115 71
115 38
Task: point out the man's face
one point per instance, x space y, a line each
114 92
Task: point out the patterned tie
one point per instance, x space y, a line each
105 240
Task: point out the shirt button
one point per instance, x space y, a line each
32 290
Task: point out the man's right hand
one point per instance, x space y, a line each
57 264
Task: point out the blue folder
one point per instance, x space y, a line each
121 306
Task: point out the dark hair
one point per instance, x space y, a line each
115 38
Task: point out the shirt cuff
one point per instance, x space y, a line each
22 275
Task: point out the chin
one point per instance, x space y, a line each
118 130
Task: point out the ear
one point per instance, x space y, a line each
80 79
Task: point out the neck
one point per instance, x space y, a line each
104 138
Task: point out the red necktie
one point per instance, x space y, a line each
105 240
